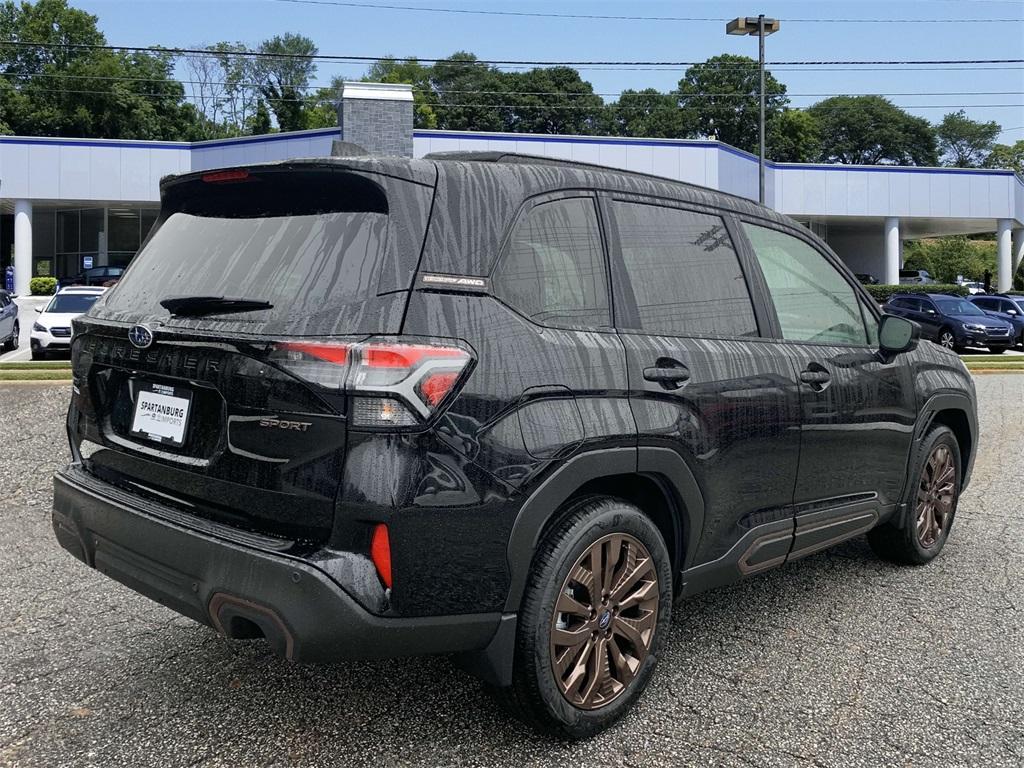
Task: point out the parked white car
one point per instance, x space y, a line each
51 332
974 287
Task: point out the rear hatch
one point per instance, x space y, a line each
212 405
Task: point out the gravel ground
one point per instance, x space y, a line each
838 660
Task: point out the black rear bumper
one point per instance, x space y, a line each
241 590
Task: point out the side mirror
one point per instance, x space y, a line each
1012 312
897 334
39 310
930 311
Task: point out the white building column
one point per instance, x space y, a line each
1017 250
893 256
1003 255
22 246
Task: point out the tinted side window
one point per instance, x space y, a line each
984 303
813 300
684 272
928 304
554 271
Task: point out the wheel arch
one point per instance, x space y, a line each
954 410
656 480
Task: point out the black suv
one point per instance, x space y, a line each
953 322
495 406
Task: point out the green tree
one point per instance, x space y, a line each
470 96
552 100
1007 156
965 143
947 258
69 90
259 122
648 113
872 130
410 71
794 136
720 99
284 71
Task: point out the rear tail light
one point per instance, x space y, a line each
393 384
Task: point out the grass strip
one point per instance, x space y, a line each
35 375
56 365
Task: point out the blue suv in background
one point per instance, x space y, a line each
952 321
1009 309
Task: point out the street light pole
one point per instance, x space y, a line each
762 27
760 131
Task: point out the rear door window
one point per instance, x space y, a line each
683 271
553 270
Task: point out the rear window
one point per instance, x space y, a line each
310 249
72 303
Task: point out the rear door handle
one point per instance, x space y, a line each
671 374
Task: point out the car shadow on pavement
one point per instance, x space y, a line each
399 709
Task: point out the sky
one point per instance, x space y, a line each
989 94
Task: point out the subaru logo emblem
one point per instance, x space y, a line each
140 336
605 620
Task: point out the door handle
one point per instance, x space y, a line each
816 376
671 374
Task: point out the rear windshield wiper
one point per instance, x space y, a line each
192 306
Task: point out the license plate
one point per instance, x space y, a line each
161 413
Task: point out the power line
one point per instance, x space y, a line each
539 63
609 17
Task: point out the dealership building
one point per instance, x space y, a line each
69 204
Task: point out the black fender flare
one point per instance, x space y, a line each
943 400
552 493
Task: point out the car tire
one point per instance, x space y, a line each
924 533
593 690
997 350
38 354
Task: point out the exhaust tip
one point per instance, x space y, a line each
242 619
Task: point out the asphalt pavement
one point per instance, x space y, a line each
837 660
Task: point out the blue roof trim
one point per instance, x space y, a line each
727 148
265 138
109 143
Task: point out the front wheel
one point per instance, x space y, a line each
997 350
597 606
947 339
38 354
934 494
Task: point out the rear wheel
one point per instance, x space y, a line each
597 605
934 494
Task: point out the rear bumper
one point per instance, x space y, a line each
303 612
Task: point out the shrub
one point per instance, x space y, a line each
881 293
42 286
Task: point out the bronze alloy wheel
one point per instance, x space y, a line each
604 621
935 496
